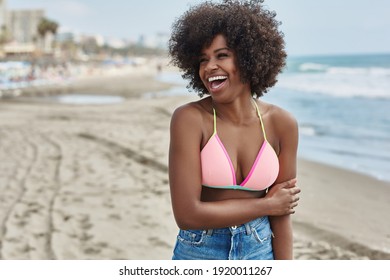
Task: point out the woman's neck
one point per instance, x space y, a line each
239 111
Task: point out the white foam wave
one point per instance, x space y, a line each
344 82
307 130
339 70
309 66
371 71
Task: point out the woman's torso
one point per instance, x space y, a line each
242 142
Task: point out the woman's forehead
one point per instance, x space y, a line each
218 42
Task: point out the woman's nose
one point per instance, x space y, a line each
211 65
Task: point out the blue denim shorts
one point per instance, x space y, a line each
250 241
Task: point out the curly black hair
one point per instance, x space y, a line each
250 31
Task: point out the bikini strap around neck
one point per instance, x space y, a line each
261 120
215 121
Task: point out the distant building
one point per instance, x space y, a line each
23 25
66 36
160 40
3 14
116 43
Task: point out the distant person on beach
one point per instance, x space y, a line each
159 68
232 158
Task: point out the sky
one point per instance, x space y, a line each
311 27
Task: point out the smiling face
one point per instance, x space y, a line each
219 72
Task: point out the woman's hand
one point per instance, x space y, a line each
283 197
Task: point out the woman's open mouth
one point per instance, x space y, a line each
216 82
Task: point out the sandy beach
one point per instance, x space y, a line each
91 182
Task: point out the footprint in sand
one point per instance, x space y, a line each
155 241
115 216
92 250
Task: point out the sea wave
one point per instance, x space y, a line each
370 71
311 67
310 129
342 82
307 130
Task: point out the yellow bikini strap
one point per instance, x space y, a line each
215 121
261 120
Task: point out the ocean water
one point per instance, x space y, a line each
342 105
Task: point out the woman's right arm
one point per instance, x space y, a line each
186 186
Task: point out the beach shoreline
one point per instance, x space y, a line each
91 182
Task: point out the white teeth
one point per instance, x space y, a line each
217 78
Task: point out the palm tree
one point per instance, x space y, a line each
45 27
3 34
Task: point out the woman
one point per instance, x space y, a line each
228 149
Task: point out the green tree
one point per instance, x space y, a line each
3 34
45 26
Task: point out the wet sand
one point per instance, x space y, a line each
90 182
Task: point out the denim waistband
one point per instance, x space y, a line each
247 227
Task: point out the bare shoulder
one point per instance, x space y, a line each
185 112
189 115
190 111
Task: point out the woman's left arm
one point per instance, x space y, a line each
286 129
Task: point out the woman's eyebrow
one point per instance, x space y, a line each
222 49
217 50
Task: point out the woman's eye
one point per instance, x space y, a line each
201 60
221 55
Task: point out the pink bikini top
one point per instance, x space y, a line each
218 170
